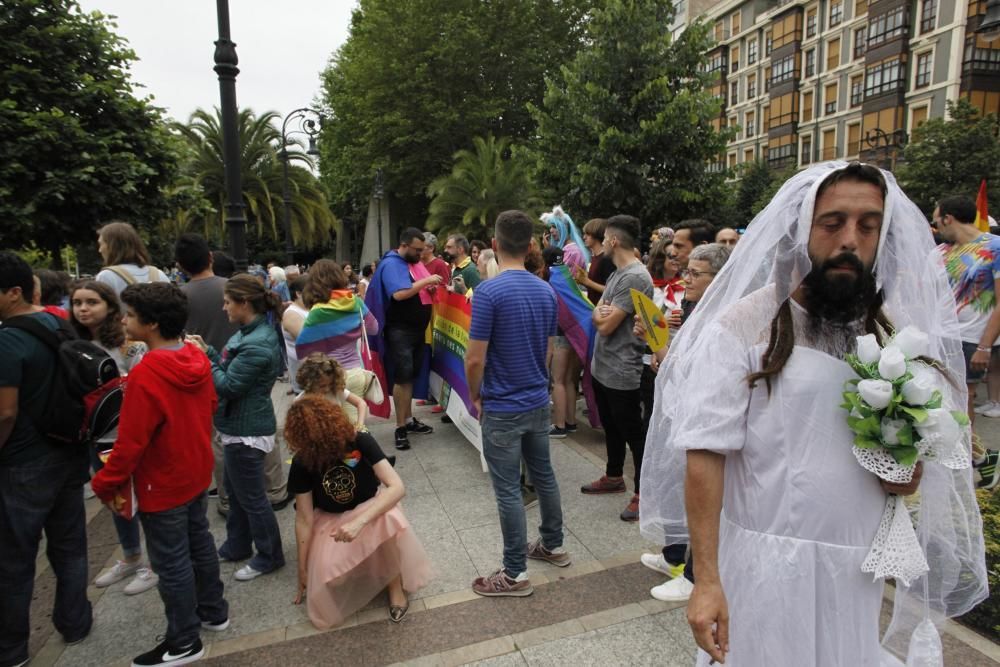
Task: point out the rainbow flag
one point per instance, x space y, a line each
332 325
574 316
450 339
982 212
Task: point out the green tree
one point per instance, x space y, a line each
756 181
484 182
77 147
416 81
627 127
261 172
948 157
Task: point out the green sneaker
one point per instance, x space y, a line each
989 476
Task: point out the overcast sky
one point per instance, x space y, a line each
282 47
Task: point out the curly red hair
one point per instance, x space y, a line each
318 432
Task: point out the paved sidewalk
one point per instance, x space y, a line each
597 611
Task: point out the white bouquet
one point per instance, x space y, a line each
895 409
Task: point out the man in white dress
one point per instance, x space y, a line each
781 515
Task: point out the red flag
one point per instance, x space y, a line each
982 213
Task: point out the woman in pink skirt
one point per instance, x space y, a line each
353 539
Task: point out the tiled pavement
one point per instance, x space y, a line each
597 611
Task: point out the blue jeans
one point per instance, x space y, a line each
128 529
507 438
251 520
44 494
182 552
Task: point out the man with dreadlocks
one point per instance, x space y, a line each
779 513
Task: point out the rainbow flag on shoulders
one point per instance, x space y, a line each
574 316
332 325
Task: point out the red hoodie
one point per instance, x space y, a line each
165 432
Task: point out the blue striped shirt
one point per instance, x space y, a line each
516 314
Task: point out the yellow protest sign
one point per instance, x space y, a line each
654 321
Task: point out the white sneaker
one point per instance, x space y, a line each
215 627
988 405
656 562
246 573
143 580
119 571
675 590
993 412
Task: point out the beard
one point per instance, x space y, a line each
411 259
838 299
447 257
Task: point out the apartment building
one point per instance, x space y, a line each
812 80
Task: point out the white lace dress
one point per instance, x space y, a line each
799 513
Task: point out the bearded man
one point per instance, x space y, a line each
781 514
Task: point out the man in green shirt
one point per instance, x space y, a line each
456 251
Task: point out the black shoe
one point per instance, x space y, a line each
282 504
446 420
414 426
164 654
402 441
570 428
213 493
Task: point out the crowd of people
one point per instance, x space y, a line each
712 415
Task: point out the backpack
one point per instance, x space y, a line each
120 271
87 390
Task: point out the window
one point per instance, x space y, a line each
807 150
885 77
784 110
836 13
748 155
766 114
829 144
919 118
718 31
887 26
833 54
783 70
810 62
924 61
860 8
857 91
717 62
734 92
734 58
768 44
750 125
734 22
751 52
980 59
732 123
830 98
786 31
807 107
928 15
781 151
767 80
853 139
811 23
751 86
859 43
731 160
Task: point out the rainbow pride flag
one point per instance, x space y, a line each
574 316
332 325
982 209
450 340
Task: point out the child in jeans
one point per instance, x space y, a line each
164 446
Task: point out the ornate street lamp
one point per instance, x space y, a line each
989 29
889 142
309 121
379 193
225 67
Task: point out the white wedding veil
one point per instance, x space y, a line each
773 254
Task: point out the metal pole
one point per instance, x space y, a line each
379 193
226 67
286 197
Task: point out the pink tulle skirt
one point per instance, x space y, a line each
345 576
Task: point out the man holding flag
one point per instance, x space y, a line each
972 261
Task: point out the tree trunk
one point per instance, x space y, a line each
54 247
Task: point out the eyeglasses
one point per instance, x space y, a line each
694 275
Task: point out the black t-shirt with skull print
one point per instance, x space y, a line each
345 484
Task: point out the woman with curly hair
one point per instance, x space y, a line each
320 375
353 539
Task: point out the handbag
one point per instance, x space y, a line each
372 387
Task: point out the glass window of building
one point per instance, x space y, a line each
859 42
836 13
928 15
751 52
830 144
857 90
734 58
883 77
924 63
734 92
810 62
751 86
833 54
811 23
807 107
783 70
888 26
830 98
807 149
853 139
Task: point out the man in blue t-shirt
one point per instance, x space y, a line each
510 342
41 482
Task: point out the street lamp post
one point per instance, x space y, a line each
226 67
379 194
888 141
310 122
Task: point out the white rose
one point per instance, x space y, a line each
868 350
912 342
876 393
940 422
890 430
892 364
918 390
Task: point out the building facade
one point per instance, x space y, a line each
811 80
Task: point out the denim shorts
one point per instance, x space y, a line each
971 376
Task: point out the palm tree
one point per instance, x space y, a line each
260 170
483 182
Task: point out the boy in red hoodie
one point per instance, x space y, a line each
165 445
